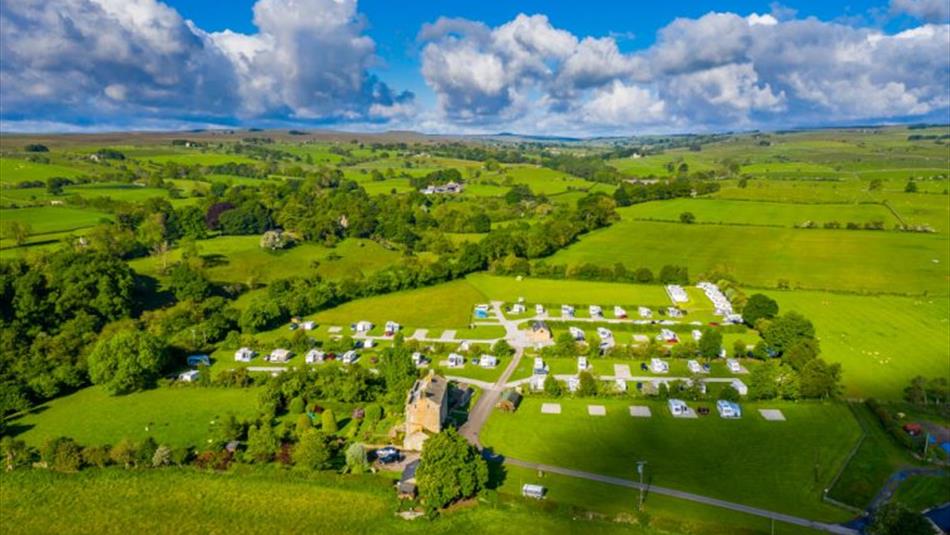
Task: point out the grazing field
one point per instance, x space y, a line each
249 501
55 219
198 158
759 213
871 261
781 466
881 341
241 259
446 306
174 416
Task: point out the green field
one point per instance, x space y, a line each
759 213
781 466
922 492
14 170
52 219
445 306
176 416
509 289
241 259
870 261
250 501
881 341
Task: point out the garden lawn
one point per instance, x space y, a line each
881 341
874 261
781 466
176 416
173 500
922 492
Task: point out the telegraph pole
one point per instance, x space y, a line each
640 465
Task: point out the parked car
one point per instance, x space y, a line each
644 367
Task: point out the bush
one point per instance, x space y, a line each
296 405
162 456
313 451
729 393
328 422
97 456
62 454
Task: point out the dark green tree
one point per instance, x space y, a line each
450 469
757 307
127 361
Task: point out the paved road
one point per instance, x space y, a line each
620 482
483 407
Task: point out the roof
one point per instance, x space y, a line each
409 472
431 387
539 325
511 396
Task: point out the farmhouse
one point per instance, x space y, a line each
279 355
595 311
620 313
363 327
567 311
426 408
189 376
728 409
349 357
199 360
456 360
659 366
576 333
678 407
539 333
509 401
314 356
245 354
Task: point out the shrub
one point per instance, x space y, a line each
162 456
328 422
97 456
62 454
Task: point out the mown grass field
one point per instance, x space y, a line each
881 341
15 170
782 466
872 261
177 416
760 213
241 259
250 501
921 492
445 306
509 289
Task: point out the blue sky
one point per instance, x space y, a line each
581 68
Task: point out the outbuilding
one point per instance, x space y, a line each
533 491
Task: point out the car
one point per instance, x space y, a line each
387 455
644 367
702 411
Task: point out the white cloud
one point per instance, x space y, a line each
105 60
927 10
720 70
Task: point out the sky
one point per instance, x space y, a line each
556 68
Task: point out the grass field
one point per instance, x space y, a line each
251 501
876 459
445 306
922 492
14 170
174 416
762 256
881 341
782 466
54 219
241 259
509 289
760 213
